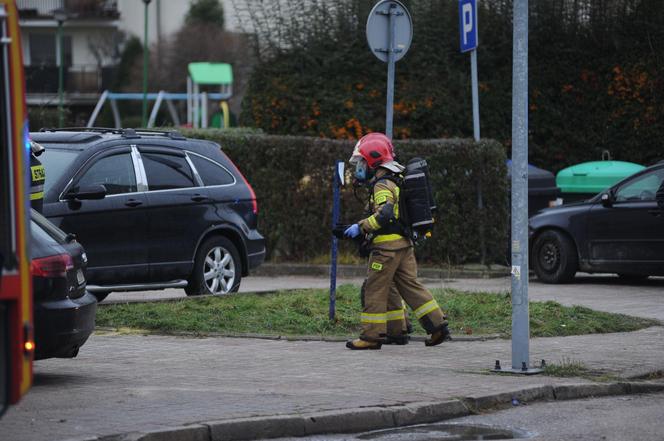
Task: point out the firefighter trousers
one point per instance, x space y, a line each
396 268
398 324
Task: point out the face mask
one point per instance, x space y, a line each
362 172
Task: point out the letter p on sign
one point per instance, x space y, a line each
468 24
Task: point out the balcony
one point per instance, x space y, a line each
76 9
78 79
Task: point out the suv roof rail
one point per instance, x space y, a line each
126 133
173 134
81 129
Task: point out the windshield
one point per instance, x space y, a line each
55 163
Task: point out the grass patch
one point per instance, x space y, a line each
305 312
566 368
572 368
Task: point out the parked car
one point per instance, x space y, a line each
64 312
153 209
620 230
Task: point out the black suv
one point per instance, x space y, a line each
152 209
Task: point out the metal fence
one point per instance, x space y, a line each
81 78
42 7
76 8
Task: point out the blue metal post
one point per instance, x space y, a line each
335 242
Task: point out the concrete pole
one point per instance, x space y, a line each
520 312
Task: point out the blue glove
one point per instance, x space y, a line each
352 231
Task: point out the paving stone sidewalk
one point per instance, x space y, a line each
128 383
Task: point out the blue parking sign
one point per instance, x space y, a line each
468 24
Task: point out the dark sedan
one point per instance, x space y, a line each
64 312
621 230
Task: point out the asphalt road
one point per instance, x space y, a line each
603 293
634 417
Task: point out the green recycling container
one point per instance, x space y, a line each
583 181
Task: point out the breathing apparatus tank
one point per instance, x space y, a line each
418 198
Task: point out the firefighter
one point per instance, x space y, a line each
398 324
392 259
37 177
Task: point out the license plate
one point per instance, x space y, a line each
80 278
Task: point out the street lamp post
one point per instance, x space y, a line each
60 16
145 67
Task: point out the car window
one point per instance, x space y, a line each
55 163
115 172
643 188
210 172
166 172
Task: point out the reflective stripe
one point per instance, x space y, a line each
35 196
397 191
397 314
36 188
382 196
373 223
387 238
373 318
426 308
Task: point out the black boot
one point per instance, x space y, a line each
443 334
359 344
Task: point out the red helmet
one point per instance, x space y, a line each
375 148
379 136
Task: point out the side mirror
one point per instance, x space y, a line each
607 199
90 192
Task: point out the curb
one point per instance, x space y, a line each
331 338
360 271
374 418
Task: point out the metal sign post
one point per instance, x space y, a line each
389 34
339 171
520 307
468 40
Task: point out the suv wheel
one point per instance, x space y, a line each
554 257
217 268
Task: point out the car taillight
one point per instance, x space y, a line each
52 266
254 201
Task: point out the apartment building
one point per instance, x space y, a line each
93 35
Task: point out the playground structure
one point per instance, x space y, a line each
200 74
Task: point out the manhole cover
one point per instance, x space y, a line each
444 432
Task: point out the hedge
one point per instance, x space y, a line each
596 80
292 178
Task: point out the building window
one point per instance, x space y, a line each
43 49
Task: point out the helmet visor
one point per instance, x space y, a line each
355 157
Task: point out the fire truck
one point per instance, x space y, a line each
16 325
